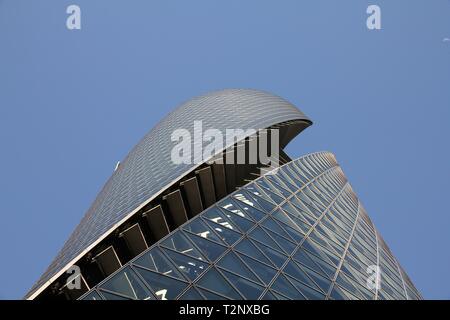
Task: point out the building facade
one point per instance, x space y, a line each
202 230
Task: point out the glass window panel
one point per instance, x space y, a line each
210 249
126 283
225 234
273 196
269 223
254 213
243 197
276 257
261 236
258 198
264 272
287 220
216 215
283 286
156 261
190 267
111 296
279 296
247 247
191 294
92 296
210 296
308 292
296 272
232 263
338 294
321 281
244 224
198 227
304 259
285 244
229 205
214 281
180 243
164 288
248 289
269 296
274 187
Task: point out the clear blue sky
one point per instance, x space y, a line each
73 103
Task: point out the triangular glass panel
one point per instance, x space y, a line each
273 196
286 219
156 261
178 242
232 263
244 224
283 286
269 296
296 272
214 281
270 224
188 266
244 197
261 236
279 296
226 235
264 185
248 289
216 215
264 272
254 213
321 281
92 296
247 247
164 288
210 249
302 257
210 296
265 204
111 296
126 283
338 294
198 227
285 244
233 206
277 258
191 294
308 292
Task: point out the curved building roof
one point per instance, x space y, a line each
148 170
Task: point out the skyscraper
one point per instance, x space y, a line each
226 229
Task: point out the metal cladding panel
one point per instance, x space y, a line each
148 167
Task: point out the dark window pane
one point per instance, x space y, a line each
308 292
198 227
210 296
214 281
276 257
156 261
164 288
180 243
210 249
191 294
249 290
261 236
126 283
216 215
231 262
264 272
283 286
92 296
225 234
111 296
296 272
190 267
247 247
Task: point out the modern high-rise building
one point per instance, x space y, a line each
161 229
